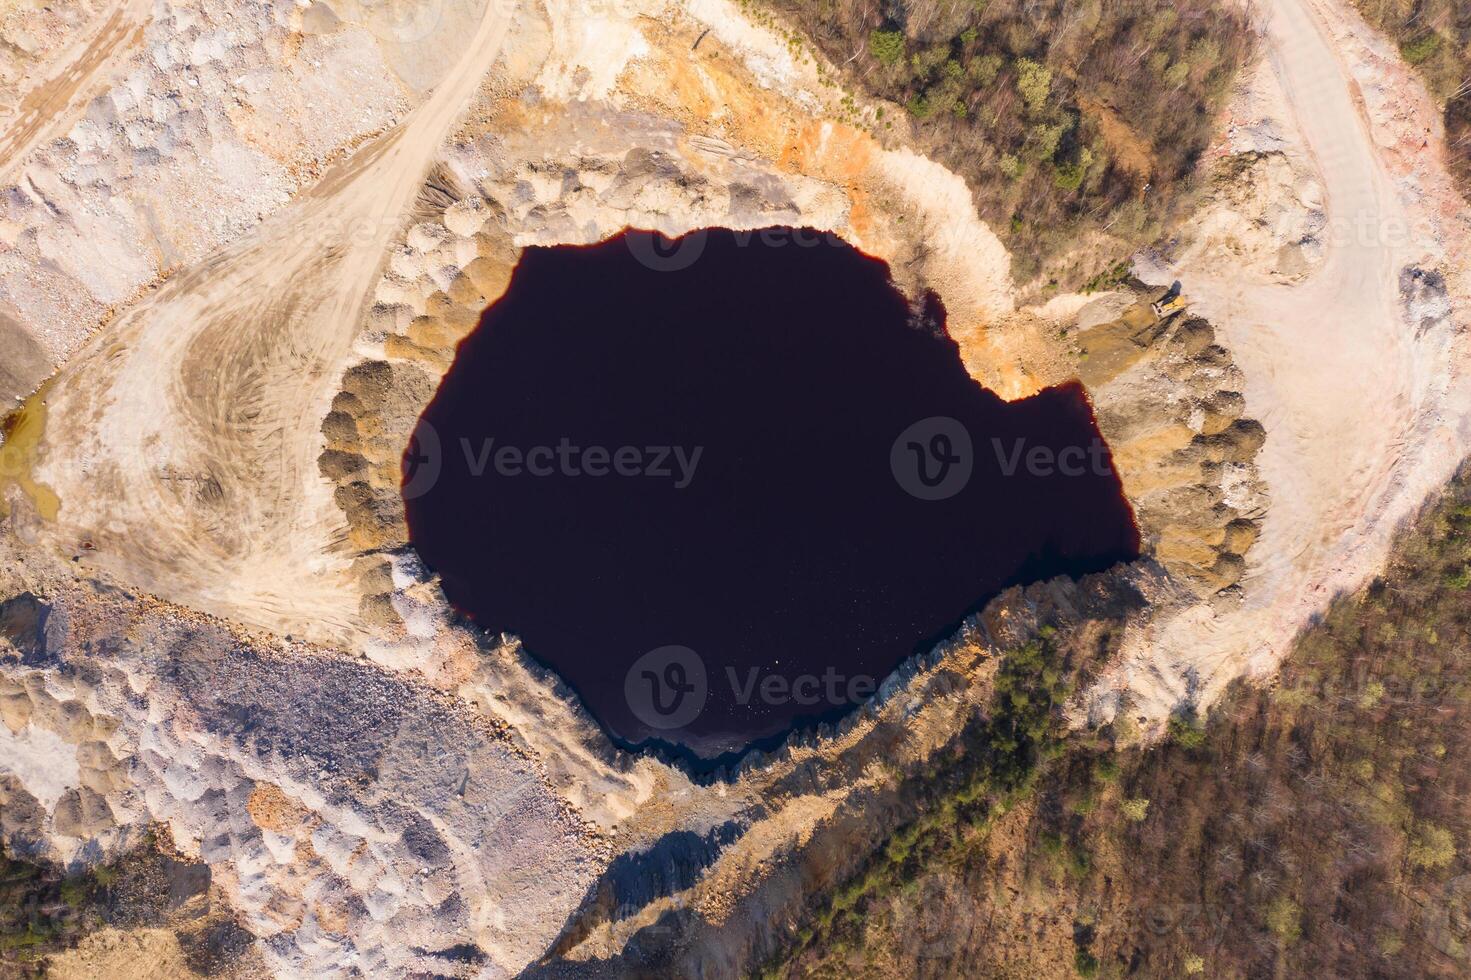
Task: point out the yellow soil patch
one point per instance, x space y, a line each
143 954
1129 150
22 430
273 810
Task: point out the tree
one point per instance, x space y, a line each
887 47
1284 918
1431 847
1034 82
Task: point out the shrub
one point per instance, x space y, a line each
1431 847
1284 918
983 70
1135 809
1420 50
1069 176
1043 140
1186 733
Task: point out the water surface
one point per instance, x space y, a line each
725 459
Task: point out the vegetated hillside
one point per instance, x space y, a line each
1062 116
1317 828
1435 37
44 911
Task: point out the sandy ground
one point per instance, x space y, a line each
204 434
50 107
143 954
1366 413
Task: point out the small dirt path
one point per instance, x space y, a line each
202 406
53 105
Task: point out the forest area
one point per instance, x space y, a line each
1314 827
1077 126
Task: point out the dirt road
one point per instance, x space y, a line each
50 108
201 408
1360 422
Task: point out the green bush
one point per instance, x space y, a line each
1069 176
1135 809
1187 734
984 69
1420 50
887 47
919 107
1034 82
1431 847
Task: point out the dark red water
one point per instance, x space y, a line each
789 548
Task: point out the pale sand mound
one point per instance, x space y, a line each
1355 371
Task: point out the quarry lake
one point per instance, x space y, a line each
724 485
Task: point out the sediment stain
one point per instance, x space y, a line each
22 430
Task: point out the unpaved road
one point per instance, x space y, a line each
1360 423
200 410
51 107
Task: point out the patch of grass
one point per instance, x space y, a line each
1421 49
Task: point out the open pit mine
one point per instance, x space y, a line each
553 489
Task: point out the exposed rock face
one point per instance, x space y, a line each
1427 305
23 364
1168 401
356 821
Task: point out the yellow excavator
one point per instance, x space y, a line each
1170 302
